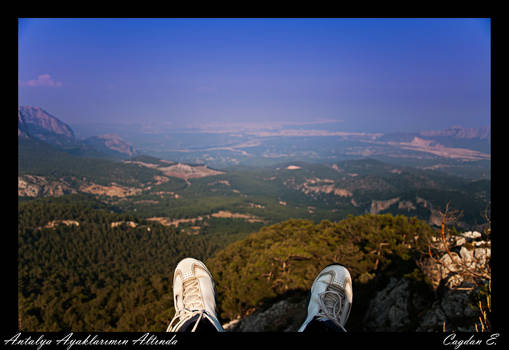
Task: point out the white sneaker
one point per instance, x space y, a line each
330 297
194 296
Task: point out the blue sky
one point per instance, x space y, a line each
366 74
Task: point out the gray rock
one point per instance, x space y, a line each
471 235
389 309
283 316
452 310
466 256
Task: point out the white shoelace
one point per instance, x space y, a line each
187 315
191 294
193 305
331 303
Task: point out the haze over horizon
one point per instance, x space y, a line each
355 75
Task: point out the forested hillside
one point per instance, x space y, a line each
40 158
83 266
91 269
153 187
286 257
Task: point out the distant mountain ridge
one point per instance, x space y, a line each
36 123
110 143
459 151
460 133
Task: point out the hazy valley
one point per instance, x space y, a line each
327 181
154 198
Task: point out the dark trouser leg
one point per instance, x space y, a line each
323 326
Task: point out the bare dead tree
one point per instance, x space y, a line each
378 253
466 270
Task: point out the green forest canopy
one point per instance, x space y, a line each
95 277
